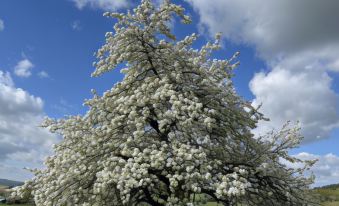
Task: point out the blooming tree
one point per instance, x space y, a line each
172 132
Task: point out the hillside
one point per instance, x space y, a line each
332 186
10 183
328 195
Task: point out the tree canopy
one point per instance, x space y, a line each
172 130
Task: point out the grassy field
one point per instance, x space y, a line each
327 196
336 203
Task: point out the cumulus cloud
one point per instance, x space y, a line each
43 74
23 68
2 25
6 79
326 169
108 5
293 94
299 41
22 142
272 26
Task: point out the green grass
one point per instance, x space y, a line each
328 192
212 204
336 203
328 196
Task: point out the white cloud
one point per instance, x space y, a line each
299 41
2 25
23 68
43 74
326 169
76 26
289 93
5 79
108 5
272 26
22 142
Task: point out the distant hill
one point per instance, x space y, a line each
10 183
332 186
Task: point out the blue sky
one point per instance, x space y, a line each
289 62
